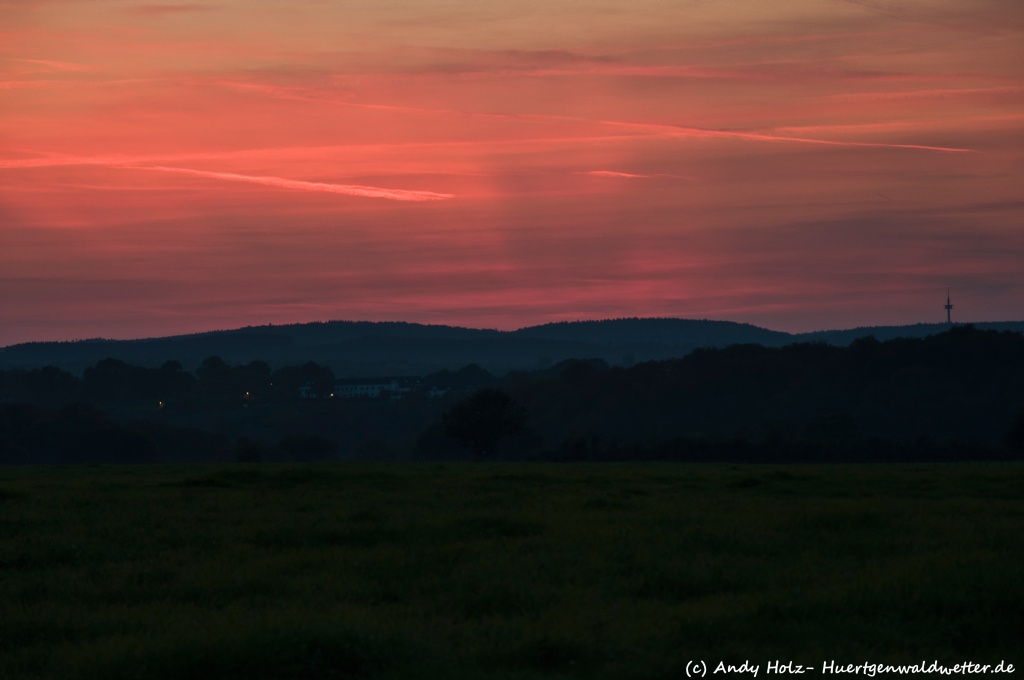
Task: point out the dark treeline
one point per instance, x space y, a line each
361 349
957 395
82 433
249 412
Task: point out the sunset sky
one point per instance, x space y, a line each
799 165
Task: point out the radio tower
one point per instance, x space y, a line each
949 308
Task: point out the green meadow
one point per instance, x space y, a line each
503 570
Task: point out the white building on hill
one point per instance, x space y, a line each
370 388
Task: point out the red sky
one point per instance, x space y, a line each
180 167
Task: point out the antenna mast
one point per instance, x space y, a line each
949 308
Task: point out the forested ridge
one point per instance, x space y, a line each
362 348
956 395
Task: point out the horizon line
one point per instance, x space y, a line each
498 330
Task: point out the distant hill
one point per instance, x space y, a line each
841 338
654 332
361 348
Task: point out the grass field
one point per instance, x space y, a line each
503 571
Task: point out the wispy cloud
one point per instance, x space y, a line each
52 160
613 173
678 158
946 92
50 64
164 9
661 130
277 182
684 131
22 84
301 185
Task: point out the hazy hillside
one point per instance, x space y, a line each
921 330
359 348
671 332
365 348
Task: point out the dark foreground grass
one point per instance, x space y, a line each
503 571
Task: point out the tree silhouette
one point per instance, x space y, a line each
216 378
287 381
481 421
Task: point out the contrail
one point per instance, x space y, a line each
656 129
613 173
300 185
279 182
684 131
633 175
